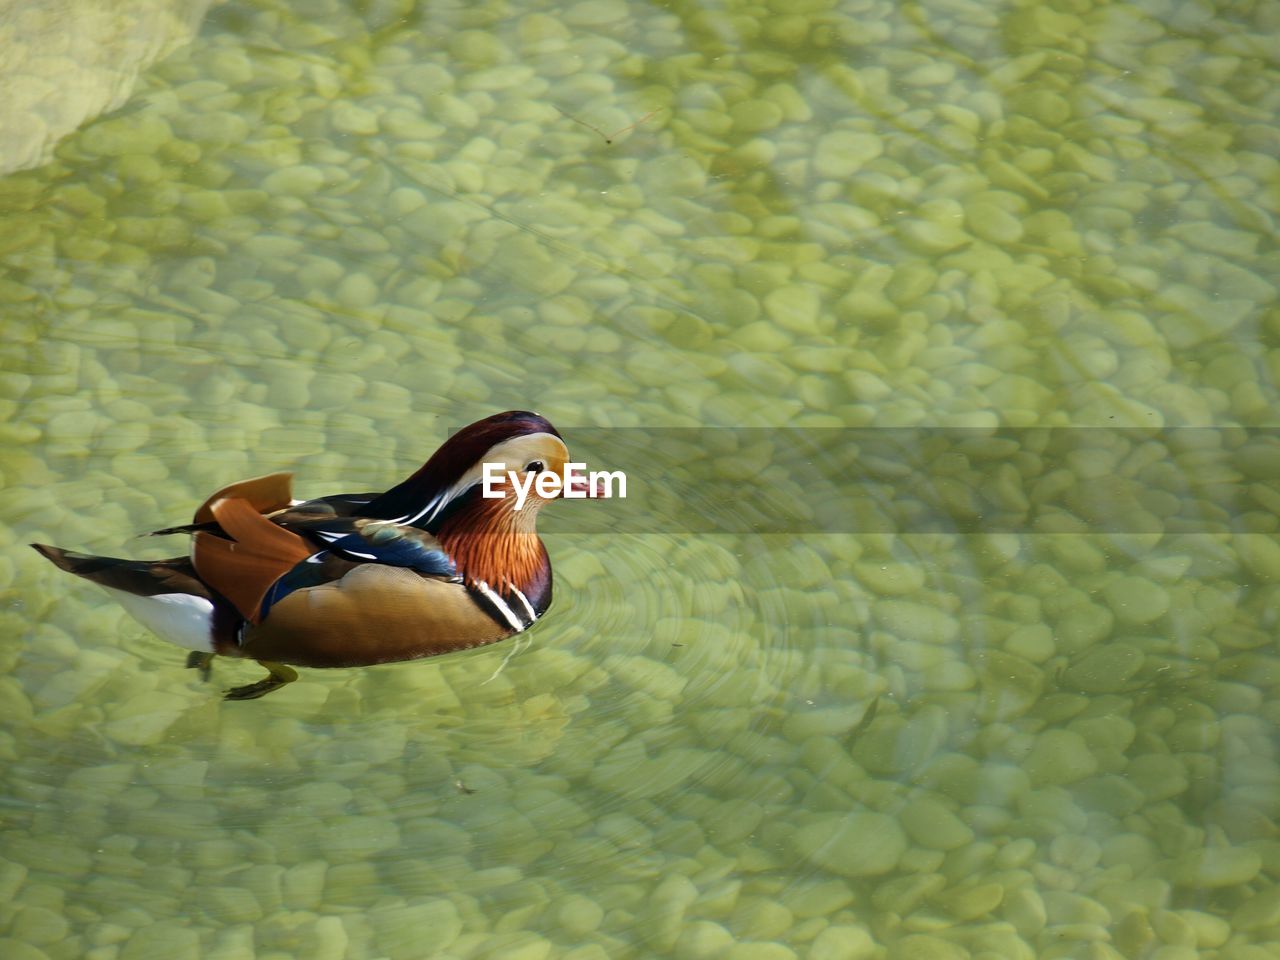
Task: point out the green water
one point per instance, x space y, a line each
317 237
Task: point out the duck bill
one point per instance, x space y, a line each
579 487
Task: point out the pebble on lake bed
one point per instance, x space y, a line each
852 845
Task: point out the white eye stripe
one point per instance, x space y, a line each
516 450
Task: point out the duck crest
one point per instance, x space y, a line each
420 497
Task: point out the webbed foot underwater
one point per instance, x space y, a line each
431 566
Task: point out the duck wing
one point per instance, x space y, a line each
271 495
255 562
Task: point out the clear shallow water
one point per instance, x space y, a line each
316 240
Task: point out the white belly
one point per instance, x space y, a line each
177 617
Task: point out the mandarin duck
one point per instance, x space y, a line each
435 564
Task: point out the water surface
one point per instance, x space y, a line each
1013 702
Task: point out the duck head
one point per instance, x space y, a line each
488 528
517 445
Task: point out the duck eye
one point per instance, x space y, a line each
535 466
